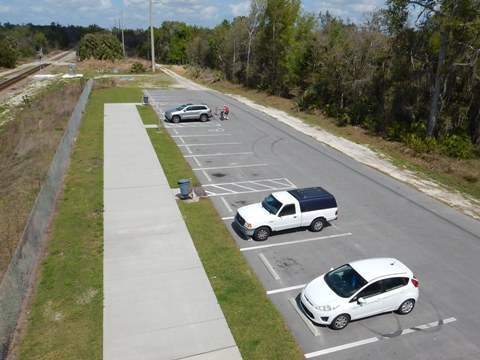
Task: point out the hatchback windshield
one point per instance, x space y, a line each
344 281
271 204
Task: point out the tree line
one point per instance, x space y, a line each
409 72
27 41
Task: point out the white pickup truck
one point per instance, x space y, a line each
308 207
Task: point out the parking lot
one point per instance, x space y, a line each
241 160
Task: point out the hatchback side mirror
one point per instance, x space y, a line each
361 301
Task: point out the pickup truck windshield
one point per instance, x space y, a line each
271 204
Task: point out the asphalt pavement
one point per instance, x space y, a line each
158 301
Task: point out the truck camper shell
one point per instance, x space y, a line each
313 198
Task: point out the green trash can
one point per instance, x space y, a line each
184 185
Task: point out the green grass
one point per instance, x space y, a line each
66 316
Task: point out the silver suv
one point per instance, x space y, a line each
188 112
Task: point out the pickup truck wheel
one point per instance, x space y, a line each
176 119
317 224
261 234
203 117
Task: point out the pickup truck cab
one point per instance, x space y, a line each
308 207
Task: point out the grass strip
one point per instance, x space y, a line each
257 326
66 316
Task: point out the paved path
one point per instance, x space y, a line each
158 302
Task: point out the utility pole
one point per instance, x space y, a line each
151 38
123 37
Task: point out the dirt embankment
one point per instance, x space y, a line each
30 132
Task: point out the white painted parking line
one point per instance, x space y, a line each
290 288
229 209
213 144
206 176
295 242
269 267
228 167
243 187
375 339
307 322
189 125
196 161
218 130
188 149
195 136
150 126
221 154
249 189
228 218
225 191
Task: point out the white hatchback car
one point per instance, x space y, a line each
359 289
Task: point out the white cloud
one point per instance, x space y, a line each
37 9
210 12
240 9
5 9
97 5
351 9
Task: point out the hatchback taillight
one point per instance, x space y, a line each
415 282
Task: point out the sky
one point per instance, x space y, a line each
135 14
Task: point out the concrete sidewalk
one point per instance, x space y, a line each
158 302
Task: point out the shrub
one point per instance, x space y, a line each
343 120
137 68
456 145
8 52
420 143
101 46
395 132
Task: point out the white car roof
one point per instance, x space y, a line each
374 268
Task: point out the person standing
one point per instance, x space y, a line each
226 111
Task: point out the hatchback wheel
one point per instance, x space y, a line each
406 307
340 322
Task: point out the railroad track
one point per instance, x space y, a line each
7 83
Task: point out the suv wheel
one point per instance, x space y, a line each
176 119
203 117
